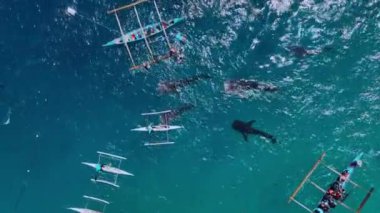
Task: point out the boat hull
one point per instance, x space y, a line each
149 31
163 128
82 210
109 169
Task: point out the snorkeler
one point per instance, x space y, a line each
330 200
176 86
177 53
244 88
180 57
325 204
180 38
323 207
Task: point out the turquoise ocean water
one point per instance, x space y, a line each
70 97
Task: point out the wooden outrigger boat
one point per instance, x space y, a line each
347 179
104 166
138 35
163 126
87 209
149 31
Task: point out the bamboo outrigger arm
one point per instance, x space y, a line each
315 166
367 196
161 23
143 32
124 41
127 6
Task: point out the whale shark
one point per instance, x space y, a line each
245 128
165 87
176 112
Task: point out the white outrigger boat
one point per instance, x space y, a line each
157 128
109 169
143 33
165 127
104 167
347 173
86 209
149 31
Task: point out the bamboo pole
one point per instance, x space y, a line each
123 38
163 29
142 31
126 6
301 204
367 196
306 177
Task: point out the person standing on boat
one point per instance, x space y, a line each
323 207
133 36
336 190
177 53
150 128
99 169
330 200
180 56
325 204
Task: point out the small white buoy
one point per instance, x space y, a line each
71 11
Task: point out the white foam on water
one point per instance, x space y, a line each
71 11
7 119
280 6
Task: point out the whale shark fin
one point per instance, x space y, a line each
245 136
251 122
